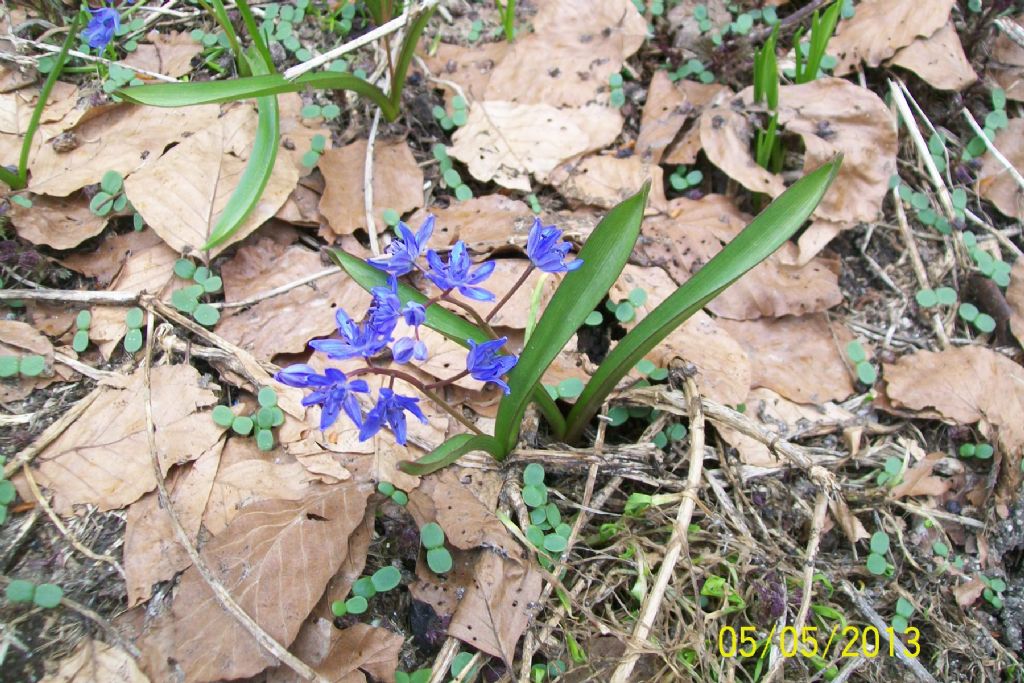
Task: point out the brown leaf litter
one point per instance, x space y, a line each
994 182
1006 67
881 27
939 60
58 222
169 53
94 661
21 339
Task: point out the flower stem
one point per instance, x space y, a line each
510 292
472 312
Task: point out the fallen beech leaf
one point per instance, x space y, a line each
169 53
831 116
1015 298
605 180
204 171
799 358
122 138
694 231
484 223
79 466
939 60
470 67
452 498
852 527
918 480
151 550
397 184
880 27
1006 66
21 339
994 181
58 222
668 107
94 661
284 323
516 313
255 559
507 141
16 113
968 593
965 385
361 646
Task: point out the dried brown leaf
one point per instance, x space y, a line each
668 107
918 480
58 222
1006 67
880 27
361 646
469 67
1015 298
21 339
96 662
939 60
852 527
799 358
485 223
169 53
965 385
968 593
994 182
397 184
604 180
255 559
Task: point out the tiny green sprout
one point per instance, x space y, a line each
242 425
432 536
880 542
310 159
463 193
206 315
535 496
20 590
645 367
223 416
311 111
400 498
552 514
617 415
535 535
554 543
967 450
855 351
533 474
452 178
946 296
264 440
539 516
638 297
866 373
570 387
83 320
338 608
985 323
904 608
357 604
677 432
386 488
940 549
927 298
364 587
184 301
624 312
983 451
660 439
439 560
391 217
593 319
8 366
22 201
876 564
331 111
386 578
7 492
133 340
318 143
968 312
459 663
47 595
134 318
534 203
80 342
32 366
267 397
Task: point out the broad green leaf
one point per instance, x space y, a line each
450 451
604 255
257 170
440 319
758 241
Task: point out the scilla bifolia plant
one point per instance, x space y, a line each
587 280
260 80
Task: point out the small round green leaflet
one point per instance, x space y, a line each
463 193
48 595
201 274
452 178
624 312
134 318
594 318
460 662
539 516
440 151
22 200
20 590
223 416
7 492
563 530
112 182
265 418
617 416
357 604
855 351
242 425
997 584
866 372
206 315
400 498
983 451
904 608
618 98
8 366
968 312
318 143
533 474
184 301
676 432
432 536
940 549
80 342
535 535
32 366
338 608
331 111
570 388
278 417
927 298
83 320
645 367
967 450
552 514
876 564
900 623
554 543
364 587
386 578
460 118
311 111
310 159
391 217
133 341
946 295
615 80
880 542
212 284
535 496
439 560
386 488
267 397
265 440
985 323
660 439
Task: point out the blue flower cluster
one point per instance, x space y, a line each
335 392
102 27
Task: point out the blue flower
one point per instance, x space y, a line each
390 410
414 314
407 348
403 251
456 274
334 392
484 363
356 340
385 309
102 27
547 251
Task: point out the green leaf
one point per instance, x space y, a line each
364 587
758 241
880 542
80 342
357 604
400 498
48 595
242 425
439 560
450 451
452 326
866 372
7 492
338 608
20 590
535 495
554 543
940 549
223 416
984 451
570 388
134 318
386 578
206 315
32 366
899 623
432 535
904 608
265 440
533 474
133 340
593 319
8 366
604 255
876 564
112 182
926 298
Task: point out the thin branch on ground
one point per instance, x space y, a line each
278 291
1000 157
18 42
923 154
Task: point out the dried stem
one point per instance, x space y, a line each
472 312
509 293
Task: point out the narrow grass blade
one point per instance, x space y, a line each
257 170
412 39
440 319
758 241
450 451
604 256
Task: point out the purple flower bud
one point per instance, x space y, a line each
414 314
